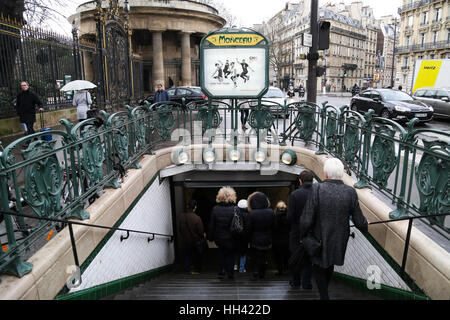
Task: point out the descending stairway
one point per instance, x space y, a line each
206 286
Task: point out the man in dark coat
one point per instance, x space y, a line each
191 232
220 230
27 101
327 215
297 202
261 220
161 95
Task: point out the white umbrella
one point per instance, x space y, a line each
78 85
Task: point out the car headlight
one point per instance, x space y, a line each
431 108
402 109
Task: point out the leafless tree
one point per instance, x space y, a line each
276 57
223 11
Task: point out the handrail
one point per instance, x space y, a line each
408 234
72 237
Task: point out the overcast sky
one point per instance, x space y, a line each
249 12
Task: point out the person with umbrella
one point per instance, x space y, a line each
82 99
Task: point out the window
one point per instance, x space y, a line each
430 94
419 93
171 92
405 61
410 21
441 94
366 94
425 18
422 39
408 40
183 92
438 14
448 35
435 36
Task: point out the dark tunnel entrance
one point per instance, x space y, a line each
204 186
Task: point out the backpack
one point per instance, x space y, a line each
237 223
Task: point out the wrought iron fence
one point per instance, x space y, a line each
61 177
43 58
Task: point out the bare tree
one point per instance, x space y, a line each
276 57
223 11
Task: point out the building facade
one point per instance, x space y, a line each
165 36
352 57
425 34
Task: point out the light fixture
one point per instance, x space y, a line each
180 157
289 157
260 155
234 154
209 155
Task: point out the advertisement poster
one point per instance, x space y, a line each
234 72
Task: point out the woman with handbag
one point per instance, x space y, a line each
220 230
193 238
325 223
82 100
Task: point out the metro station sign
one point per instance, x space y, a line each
234 64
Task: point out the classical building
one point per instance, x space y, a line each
165 37
425 34
385 68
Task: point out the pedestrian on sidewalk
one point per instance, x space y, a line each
297 201
326 217
161 95
83 101
27 102
192 236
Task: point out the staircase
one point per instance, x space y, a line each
177 285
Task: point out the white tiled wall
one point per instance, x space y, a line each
117 259
360 255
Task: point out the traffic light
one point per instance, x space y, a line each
321 71
324 35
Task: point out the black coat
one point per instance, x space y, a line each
261 222
335 203
297 202
26 106
220 225
281 229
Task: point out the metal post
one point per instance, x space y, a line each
393 53
405 252
313 56
74 246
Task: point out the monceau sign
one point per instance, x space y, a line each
234 63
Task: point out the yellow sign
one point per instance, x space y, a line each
427 75
245 40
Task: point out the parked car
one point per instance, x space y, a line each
438 98
392 104
176 94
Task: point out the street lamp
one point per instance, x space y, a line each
393 53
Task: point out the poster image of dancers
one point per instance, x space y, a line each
242 74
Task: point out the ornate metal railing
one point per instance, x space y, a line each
59 177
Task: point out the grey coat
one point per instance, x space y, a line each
335 205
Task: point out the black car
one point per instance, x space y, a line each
176 94
392 104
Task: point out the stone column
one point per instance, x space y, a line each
158 60
186 65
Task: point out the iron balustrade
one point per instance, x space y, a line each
59 179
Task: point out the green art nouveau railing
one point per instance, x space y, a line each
60 178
